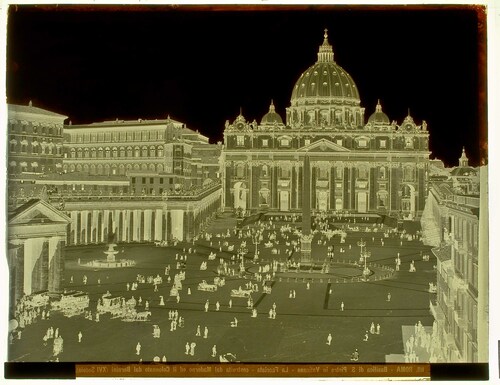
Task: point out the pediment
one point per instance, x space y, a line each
37 212
323 145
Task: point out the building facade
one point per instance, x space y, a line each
35 140
454 222
157 155
377 166
36 239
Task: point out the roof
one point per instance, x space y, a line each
30 109
378 117
37 211
121 123
442 253
272 117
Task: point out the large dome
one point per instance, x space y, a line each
325 95
325 79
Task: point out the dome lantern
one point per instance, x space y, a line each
325 53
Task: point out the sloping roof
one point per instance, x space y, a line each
442 253
36 208
33 110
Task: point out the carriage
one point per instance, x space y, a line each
241 293
72 303
204 286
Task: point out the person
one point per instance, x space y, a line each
193 345
205 332
217 306
198 331
329 339
164 359
372 328
187 348
206 306
355 355
230 303
162 302
378 328
80 335
234 323
178 298
214 351
388 297
366 336
138 348
342 306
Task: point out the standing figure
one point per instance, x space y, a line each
138 348
329 339
342 306
80 335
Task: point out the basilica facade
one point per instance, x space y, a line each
373 166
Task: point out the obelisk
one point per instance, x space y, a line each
306 238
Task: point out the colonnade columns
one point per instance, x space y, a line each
56 264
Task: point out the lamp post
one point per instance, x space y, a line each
361 244
256 242
366 255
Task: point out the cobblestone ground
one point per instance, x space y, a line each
297 334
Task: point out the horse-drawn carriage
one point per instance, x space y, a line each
204 286
71 303
241 293
219 281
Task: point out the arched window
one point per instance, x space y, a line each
137 152
265 171
73 153
382 173
100 152
86 152
122 152
152 151
160 151
93 152
130 153
144 152
152 167
240 171
115 152
78 153
108 152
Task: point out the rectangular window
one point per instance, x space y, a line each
307 142
265 142
383 143
240 140
362 143
285 142
133 179
171 180
161 180
143 180
339 142
151 180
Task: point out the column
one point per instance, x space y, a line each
56 264
147 225
332 187
158 225
293 195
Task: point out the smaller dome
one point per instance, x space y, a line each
272 117
378 117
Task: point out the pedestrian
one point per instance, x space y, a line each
214 351
388 297
230 303
366 336
146 305
205 333
138 348
207 304
198 331
217 306
164 359
80 335
342 306
187 348
378 328
372 328
162 302
193 345
329 339
189 291
178 298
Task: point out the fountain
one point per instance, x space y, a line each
110 262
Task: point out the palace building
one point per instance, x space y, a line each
374 166
35 140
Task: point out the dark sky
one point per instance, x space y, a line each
200 65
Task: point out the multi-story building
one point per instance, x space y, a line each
453 221
379 166
157 155
35 140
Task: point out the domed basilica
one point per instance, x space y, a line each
373 166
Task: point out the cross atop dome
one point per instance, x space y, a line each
378 108
325 53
